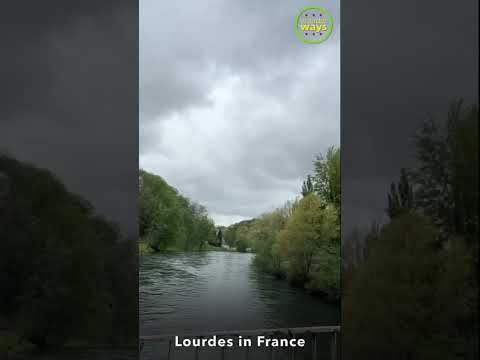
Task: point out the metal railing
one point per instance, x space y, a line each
311 332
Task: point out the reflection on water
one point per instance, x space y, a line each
213 291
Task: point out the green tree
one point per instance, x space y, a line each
307 186
230 236
170 219
266 248
301 240
327 176
309 232
241 235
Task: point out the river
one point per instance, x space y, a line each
192 292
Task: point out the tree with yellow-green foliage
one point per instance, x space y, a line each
310 242
268 256
301 240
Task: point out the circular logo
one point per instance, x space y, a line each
314 25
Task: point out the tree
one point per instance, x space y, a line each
410 298
446 178
230 236
309 231
393 288
327 176
400 198
241 235
170 219
66 271
307 186
267 255
205 231
219 237
301 240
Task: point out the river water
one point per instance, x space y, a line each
192 292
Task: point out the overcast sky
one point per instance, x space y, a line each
400 62
233 106
69 97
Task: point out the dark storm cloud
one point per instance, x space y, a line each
400 61
233 107
69 96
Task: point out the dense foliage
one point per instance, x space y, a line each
240 235
412 292
65 272
301 240
170 220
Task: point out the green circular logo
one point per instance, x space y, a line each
314 25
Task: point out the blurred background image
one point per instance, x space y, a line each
410 180
68 179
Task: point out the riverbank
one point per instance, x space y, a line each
332 296
320 284
144 249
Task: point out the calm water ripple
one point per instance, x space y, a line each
213 291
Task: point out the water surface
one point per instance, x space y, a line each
192 292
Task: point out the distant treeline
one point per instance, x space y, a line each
301 240
411 285
170 220
66 273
